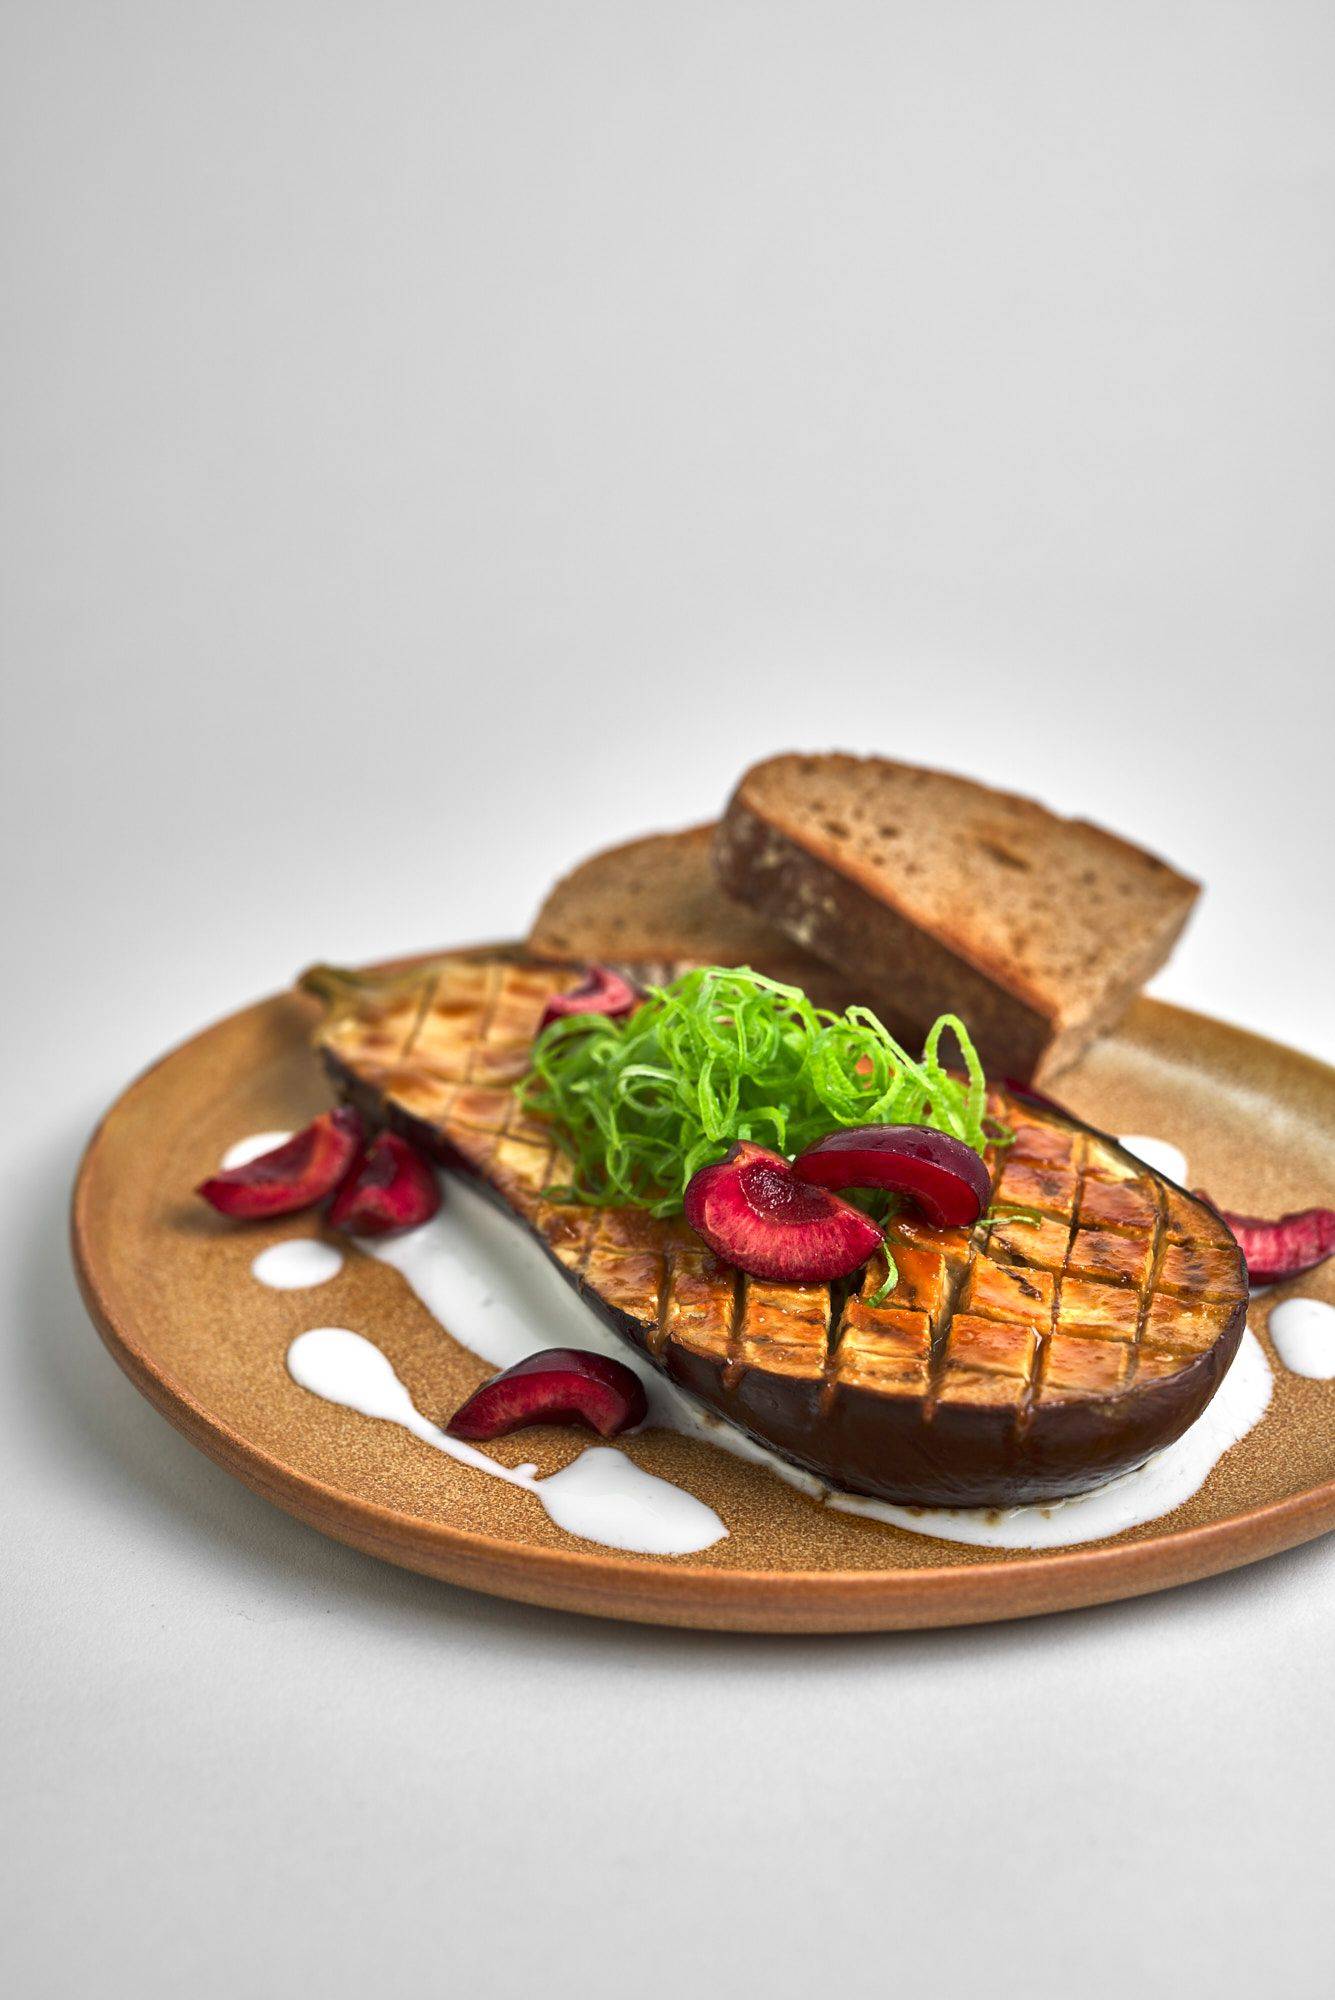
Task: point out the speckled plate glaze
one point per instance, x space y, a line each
168 1285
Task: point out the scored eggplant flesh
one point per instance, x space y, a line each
1015 1362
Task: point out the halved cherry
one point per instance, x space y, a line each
297 1174
755 1213
942 1176
602 992
394 1187
1284 1248
561 1385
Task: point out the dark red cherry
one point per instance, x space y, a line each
393 1187
561 1385
944 1178
1284 1248
297 1174
602 992
752 1210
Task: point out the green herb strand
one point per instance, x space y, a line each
642 1103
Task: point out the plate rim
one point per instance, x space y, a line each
678 1591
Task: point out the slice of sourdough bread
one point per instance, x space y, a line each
943 895
656 906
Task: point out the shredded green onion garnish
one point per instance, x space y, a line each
1011 1211
888 1282
642 1103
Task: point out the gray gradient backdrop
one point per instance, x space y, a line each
439 439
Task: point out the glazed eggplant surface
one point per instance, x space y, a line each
1020 1361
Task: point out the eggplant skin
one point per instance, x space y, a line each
1014 1364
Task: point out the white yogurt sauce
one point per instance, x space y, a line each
293 1266
482 1276
493 1286
1158 1154
1155 1488
1303 1333
601 1496
473 1267
246 1150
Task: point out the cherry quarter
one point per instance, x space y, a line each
755 1212
559 1385
295 1175
941 1176
1286 1247
601 991
392 1188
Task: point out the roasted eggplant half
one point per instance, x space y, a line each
1080 1326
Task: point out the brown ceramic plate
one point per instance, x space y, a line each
168 1286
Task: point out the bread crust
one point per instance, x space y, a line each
851 908
656 906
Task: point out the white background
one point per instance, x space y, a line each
439 439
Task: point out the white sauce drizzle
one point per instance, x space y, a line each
1160 1155
1303 1333
601 1496
1153 1489
473 1268
493 1286
246 1150
298 1264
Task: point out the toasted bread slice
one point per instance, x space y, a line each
942 894
656 905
